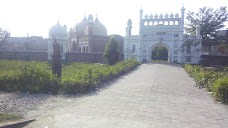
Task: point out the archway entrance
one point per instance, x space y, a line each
159 53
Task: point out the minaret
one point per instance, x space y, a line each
129 27
182 17
140 20
180 54
89 30
140 36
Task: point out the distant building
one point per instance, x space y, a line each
166 30
217 46
88 36
28 43
83 43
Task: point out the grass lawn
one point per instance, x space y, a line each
7 66
5 117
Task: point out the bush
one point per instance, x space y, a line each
91 77
220 89
32 78
214 80
202 76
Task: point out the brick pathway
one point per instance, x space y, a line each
152 96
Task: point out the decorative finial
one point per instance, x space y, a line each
183 6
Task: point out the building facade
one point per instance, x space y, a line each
86 39
88 36
166 30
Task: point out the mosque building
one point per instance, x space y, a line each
162 30
88 36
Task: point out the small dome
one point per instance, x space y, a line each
166 15
129 23
156 16
171 15
96 28
81 27
146 16
161 15
151 16
57 31
176 15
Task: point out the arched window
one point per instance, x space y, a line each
150 23
73 46
79 49
166 23
170 22
133 48
176 22
87 49
84 49
160 23
145 23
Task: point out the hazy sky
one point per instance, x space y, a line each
37 16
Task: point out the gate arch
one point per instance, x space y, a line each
161 44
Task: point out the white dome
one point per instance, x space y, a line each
97 28
57 31
81 27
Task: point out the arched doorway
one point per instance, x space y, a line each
160 52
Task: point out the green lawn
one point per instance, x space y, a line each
7 66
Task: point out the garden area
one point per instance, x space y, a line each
215 80
37 77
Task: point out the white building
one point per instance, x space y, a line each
166 30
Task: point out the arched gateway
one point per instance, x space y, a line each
160 51
166 30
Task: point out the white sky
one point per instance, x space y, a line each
37 16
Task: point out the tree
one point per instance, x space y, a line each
56 60
4 35
208 19
111 54
160 53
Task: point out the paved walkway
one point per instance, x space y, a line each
152 96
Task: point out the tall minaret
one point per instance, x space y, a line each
180 54
182 17
140 44
140 20
129 27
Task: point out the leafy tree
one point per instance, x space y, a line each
4 35
56 59
160 53
111 54
208 19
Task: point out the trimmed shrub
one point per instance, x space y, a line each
213 79
90 78
31 77
220 90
